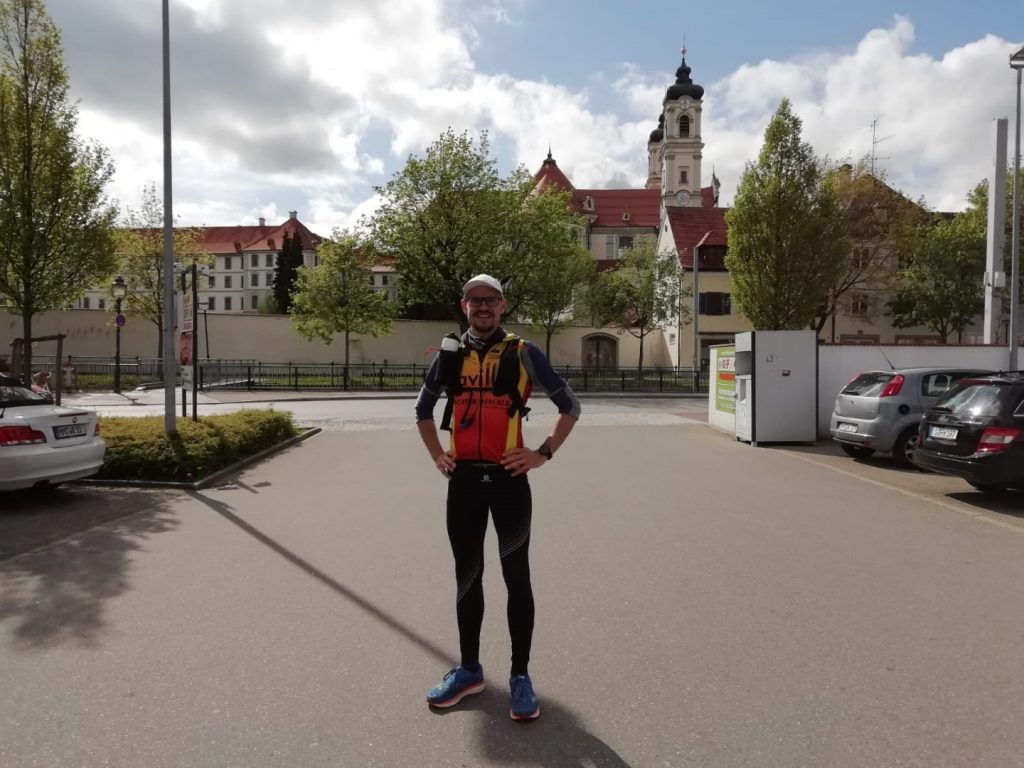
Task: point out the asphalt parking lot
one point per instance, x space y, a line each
700 602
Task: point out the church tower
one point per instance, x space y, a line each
680 151
654 155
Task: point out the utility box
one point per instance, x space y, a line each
777 386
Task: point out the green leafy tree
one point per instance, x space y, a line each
450 215
55 219
555 287
786 238
140 258
977 212
879 222
642 293
289 259
942 288
338 297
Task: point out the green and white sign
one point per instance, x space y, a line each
725 390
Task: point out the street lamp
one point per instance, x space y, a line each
1017 63
119 289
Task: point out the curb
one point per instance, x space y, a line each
209 480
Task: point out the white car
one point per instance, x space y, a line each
42 444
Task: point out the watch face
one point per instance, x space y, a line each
682 197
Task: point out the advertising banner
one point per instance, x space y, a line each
725 393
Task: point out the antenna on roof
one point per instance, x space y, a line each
875 142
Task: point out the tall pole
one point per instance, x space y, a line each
170 364
117 346
195 341
696 305
1017 62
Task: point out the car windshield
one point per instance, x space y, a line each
13 392
972 399
868 384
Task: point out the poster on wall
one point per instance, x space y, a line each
725 395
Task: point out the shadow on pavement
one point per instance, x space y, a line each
59 598
1008 503
555 738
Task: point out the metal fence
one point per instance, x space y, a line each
97 373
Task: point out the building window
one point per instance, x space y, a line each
213 282
383 279
373 279
684 176
902 262
684 126
227 303
270 260
861 258
254 260
714 303
211 303
858 338
588 203
254 279
859 304
103 303
227 283
252 302
85 303
609 242
270 279
227 262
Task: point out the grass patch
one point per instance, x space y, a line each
139 449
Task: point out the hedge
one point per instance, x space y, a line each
138 448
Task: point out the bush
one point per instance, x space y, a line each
139 449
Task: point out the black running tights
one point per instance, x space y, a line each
510 504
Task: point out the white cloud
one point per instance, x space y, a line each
305 105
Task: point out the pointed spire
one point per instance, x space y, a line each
549 160
684 85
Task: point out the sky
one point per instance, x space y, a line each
308 105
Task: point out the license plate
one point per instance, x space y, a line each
942 433
69 430
847 427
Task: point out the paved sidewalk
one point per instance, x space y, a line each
700 603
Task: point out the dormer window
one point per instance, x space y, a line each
684 126
625 216
588 203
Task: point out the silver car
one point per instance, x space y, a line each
881 410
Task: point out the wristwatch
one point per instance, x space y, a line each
545 451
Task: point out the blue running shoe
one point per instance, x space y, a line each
456 685
524 702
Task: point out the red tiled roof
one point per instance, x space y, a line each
253 238
690 224
642 205
551 175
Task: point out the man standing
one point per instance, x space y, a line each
488 376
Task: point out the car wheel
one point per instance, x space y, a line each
857 451
903 450
989 487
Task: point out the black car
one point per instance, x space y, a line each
976 431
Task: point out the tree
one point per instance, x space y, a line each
338 297
289 259
786 240
140 258
555 287
878 222
449 215
942 288
55 220
642 293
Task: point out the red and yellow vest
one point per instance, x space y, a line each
482 428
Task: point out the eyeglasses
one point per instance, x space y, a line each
476 301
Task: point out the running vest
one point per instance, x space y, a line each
486 399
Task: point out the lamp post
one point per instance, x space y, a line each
119 289
1017 63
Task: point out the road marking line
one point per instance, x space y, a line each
966 512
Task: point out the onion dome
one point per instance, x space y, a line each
683 85
658 133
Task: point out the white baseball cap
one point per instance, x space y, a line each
483 280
